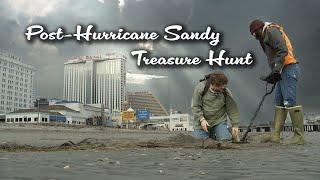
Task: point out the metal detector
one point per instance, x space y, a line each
244 138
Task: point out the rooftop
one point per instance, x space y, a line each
45 109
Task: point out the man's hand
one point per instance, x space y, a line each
235 134
272 78
204 125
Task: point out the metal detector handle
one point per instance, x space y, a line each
256 112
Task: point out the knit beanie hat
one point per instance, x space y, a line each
255 25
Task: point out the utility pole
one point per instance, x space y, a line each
103 116
38 99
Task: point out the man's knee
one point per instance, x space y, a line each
288 88
200 134
222 132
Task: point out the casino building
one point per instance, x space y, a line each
99 79
146 100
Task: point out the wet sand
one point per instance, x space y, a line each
129 154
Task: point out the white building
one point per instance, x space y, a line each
162 121
97 79
173 122
181 122
17 79
81 112
68 113
28 117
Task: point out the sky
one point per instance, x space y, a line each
172 86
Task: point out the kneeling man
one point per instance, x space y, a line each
211 104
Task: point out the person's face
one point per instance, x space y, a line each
257 34
217 87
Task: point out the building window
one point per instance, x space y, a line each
35 119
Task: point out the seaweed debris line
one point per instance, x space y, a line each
178 141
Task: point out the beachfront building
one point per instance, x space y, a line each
86 113
174 122
62 112
158 122
30 116
17 83
180 122
99 79
146 100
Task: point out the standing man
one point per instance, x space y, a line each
211 103
285 73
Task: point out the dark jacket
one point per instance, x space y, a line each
274 47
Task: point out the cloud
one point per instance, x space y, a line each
154 15
146 45
38 49
121 4
38 8
133 78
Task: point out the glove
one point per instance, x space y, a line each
272 78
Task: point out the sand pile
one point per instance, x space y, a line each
178 141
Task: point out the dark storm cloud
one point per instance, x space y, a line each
231 18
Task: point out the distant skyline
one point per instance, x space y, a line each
232 18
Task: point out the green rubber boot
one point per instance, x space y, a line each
297 122
279 118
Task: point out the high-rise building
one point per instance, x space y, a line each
17 83
146 100
99 79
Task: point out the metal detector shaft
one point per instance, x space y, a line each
256 112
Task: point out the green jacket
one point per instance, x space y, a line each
214 107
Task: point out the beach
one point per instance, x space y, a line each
49 152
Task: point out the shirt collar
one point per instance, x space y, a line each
214 92
265 26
